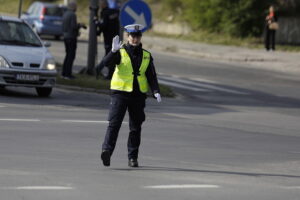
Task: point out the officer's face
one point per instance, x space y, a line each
134 40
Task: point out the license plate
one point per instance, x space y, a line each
27 77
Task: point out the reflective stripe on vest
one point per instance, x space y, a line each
122 79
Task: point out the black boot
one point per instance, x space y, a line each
133 163
105 157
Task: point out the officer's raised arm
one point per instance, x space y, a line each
113 58
116 44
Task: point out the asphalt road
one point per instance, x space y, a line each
231 133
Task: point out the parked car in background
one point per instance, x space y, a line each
45 18
24 59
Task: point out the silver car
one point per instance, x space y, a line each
24 58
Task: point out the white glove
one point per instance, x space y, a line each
158 98
116 44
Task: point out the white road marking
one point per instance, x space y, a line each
213 87
203 80
295 152
21 120
37 188
64 121
87 121
84 121
291 187
178 85
184 186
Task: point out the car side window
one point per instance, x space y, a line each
15 34
36 10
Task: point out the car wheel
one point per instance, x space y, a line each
44 92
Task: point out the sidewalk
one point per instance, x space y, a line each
285 62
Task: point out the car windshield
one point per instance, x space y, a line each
17 33
54 11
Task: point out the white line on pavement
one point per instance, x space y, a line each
203 80
184 186
37 188
21 120
84 121
178 85
295 152
204 85
87 121
291 187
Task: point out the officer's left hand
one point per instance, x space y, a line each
158 97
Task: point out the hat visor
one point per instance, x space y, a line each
139 33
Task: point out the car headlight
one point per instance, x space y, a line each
50 64
3 63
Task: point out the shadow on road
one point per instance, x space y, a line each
28 96
207 102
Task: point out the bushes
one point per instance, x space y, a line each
240 18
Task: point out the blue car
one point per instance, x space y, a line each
45 18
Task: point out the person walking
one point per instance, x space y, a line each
134 73
271 27
70 33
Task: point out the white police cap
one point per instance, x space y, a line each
134 28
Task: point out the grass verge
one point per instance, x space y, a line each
219 39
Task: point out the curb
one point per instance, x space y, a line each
82 89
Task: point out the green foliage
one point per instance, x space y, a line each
240 18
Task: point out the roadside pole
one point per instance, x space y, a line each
20 8
121 32
92 48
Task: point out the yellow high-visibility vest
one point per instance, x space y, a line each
122 78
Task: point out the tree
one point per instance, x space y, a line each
235 17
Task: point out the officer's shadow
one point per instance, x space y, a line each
184 170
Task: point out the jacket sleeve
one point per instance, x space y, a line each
74 25
152 77
112 59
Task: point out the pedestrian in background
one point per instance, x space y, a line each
271 27
109 26
134 72
114 4
70 33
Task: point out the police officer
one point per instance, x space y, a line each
134 72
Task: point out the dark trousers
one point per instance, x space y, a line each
118 107
70 46
270 39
